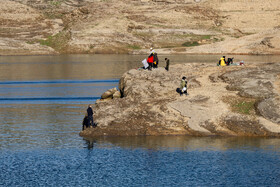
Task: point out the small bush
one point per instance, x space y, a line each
244 107
135 47
206 37
59 42
55 3
190 44
241 105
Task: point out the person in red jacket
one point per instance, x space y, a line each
150 61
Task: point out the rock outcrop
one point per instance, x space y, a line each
226 101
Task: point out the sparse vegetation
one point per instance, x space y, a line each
56 3
190 44
177 25
244 107
31 42
241 105
58 42
53 15
206 37
143 34
216 40
135 47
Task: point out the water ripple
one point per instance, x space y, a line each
59 82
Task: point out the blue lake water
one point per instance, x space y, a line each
43 101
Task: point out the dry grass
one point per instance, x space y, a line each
241 105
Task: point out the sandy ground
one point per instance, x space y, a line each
202 111
214 108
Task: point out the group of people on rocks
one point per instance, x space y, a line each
150 63
229 62
224 62
153 61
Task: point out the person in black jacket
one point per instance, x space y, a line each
155 65
167 64
90 116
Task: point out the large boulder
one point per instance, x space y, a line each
109 93
216 104
117 94
269 108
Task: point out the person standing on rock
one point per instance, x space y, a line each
183 86
155 64
167 64
152 59
90 116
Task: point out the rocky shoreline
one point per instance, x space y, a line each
223 101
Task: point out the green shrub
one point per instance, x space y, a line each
244 107
59 42
206 37
190 44
135 47
55 3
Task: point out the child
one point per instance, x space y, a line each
184 86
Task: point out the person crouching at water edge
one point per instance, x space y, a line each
88 119
183 86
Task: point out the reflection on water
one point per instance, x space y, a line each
95 66
187 143
74 90
32 126
46 114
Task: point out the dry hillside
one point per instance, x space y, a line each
132 26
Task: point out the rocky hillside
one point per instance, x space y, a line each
226 101
131 26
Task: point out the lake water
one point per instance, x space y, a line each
43 101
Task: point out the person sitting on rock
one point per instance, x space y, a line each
222 61
229 61
183 86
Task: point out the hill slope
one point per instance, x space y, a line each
127 26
